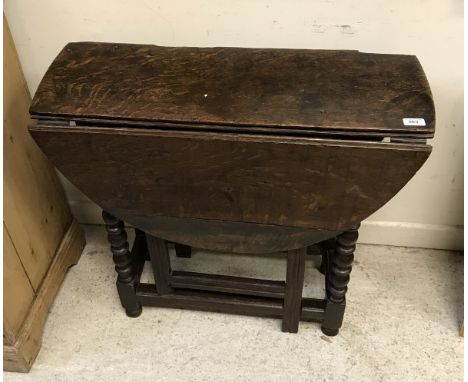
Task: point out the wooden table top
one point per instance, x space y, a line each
297 89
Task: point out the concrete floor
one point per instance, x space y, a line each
401 324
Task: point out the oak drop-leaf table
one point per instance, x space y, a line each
236 150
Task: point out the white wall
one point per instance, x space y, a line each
428 212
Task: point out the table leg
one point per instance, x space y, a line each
339 265
293 295
161 264
117 237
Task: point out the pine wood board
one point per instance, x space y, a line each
21 355
18 299
35 211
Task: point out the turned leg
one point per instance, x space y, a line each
123 264
293 295
182 250
338 267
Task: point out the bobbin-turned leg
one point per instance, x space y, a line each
182 250
117 237
293 295
338 267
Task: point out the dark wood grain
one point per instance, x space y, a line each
296 182
294 88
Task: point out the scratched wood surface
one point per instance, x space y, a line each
297 182
277 88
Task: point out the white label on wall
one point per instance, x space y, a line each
414 122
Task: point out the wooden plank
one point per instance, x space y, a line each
296 182
18 293
226 303
21 355
294 285
237 86
35 211
227 284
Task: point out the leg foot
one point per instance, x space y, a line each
135 312
330 332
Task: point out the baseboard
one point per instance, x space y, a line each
401 234
21 355
405 234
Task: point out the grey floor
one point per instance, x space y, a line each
404 309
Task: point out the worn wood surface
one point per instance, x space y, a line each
21 355
293 88
298 182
